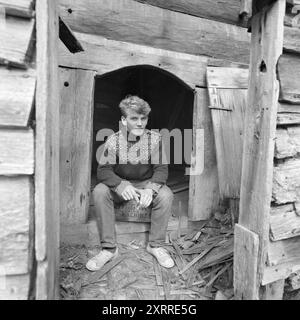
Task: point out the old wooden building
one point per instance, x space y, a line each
230 68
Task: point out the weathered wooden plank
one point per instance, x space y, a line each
16 205
47 149
288 118
286 182
17 37
15 287
260 128
16 151
228 78
204 189
274 290
18 8
228 132
289 77
246 245
215 10
291 40
283 251
103 55
288 108
284 222
131 21
76 114
281 271
287 143
17 89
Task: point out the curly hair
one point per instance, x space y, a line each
134 103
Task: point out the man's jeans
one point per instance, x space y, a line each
104 199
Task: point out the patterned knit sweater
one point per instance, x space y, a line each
132 161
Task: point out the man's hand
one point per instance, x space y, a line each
146 197
129 193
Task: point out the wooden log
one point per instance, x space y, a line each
15 287
245 274
281 271
16 238
260 129
291 40
283 251
103 55
18 8
286 182
18 39
284 222
288 118
289 77
47 151
204 187
287 143
213 10
17 94
130 21
16 151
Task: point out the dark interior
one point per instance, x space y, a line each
170 99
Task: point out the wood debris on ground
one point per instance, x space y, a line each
203 268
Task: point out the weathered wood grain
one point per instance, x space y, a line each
284 222
286 182
289 78
291 40
15 287
130 21
17 89
287 143
204 187
47 149
224 11
288 118
16 40
16 151
260 128
246 245
288 108
16 214
273 291
228 108
76 114
103 55
18 8
283 251
228 78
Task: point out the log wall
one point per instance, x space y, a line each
17 98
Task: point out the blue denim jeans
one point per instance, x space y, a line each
104 198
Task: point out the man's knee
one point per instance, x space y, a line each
101 191
165 194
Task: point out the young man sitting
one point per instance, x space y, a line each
133 170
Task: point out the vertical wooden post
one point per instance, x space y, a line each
258 151
47 151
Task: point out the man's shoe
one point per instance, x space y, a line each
162 256
97 262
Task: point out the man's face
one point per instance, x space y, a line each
135 122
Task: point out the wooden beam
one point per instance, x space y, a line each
68 38
286 181
287 143
16 151
16 40
288 118
246 245
157 27
257 172
228 12
103 56
274 290
291 40
289 77
17 94
18 8
284 222
47 151
16 214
